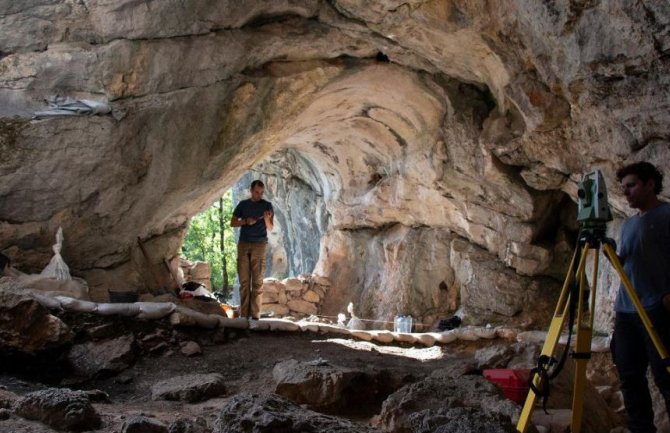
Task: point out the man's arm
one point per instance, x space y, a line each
268 217
238 221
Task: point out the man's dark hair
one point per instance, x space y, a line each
644 171
4 261
257 183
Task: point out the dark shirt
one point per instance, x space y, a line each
645 252
253 209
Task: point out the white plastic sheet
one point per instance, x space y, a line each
57 268
66 106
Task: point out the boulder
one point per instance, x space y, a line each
60 408
103 358
332 388
430 399
190 388
190 348
459 420
272 413
27 326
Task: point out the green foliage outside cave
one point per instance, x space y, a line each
203 243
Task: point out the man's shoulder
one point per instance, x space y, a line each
663 210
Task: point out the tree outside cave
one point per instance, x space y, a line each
211 239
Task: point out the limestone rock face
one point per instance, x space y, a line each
383 132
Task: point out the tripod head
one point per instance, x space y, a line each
593 211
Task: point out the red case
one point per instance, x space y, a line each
513 382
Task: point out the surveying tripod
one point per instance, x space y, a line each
573 301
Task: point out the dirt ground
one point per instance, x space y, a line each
244 358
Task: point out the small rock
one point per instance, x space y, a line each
494 356
124 379
159 348
143 424
292 285
97 396
5 414
198 425
191 388
191 348
311 296
158 335
101 332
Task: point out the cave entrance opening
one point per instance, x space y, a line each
211 239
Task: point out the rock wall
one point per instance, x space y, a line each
410 126
297 297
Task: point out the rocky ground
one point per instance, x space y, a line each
148 376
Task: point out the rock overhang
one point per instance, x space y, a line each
202 95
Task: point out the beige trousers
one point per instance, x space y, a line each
250 271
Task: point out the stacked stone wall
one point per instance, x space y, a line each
300 296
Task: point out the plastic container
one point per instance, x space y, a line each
513 382
402 323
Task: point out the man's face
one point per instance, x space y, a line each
637 193
257 193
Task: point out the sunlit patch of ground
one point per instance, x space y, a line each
418 353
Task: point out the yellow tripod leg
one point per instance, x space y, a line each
553 335
660 348
582 351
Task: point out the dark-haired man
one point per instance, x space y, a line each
255 217
645 253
